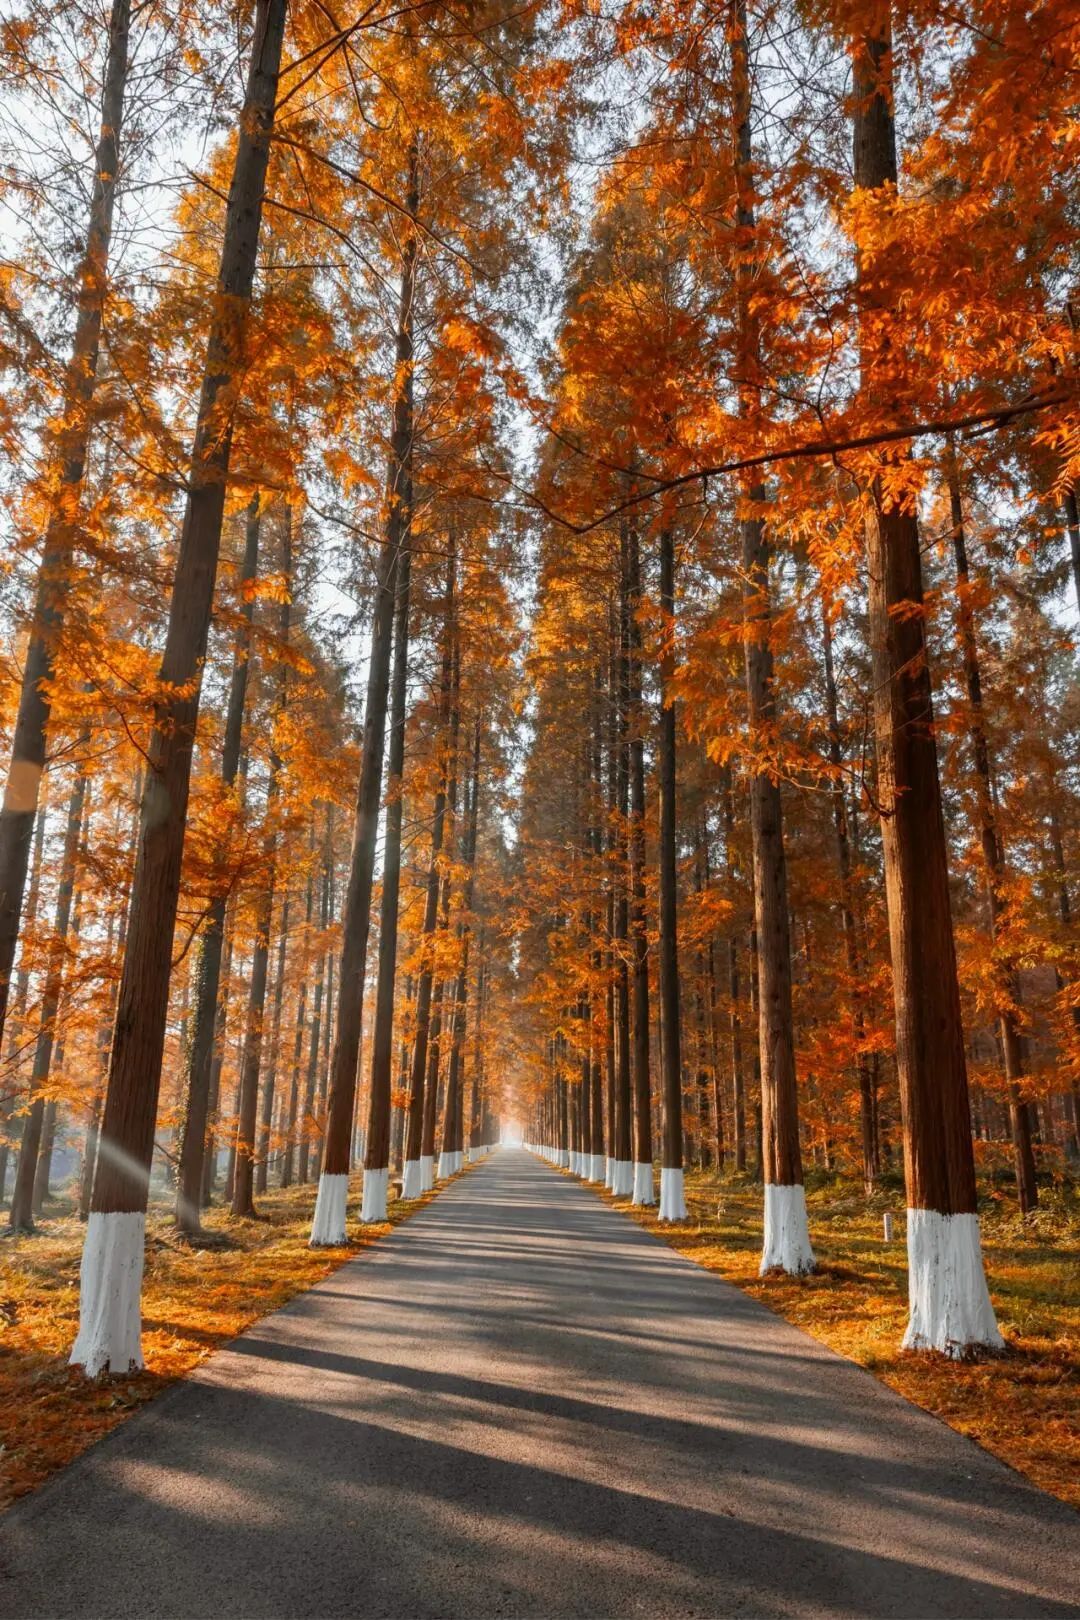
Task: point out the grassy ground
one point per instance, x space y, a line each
194 1300
1024 1406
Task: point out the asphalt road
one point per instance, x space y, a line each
522 1404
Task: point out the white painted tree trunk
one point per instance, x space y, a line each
328 1225
427 1172
412 1179
376 1186
622 1178
949 1302
110 1282
787 1235
672 1195
596 1167
644 1187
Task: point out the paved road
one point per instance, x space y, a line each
522 1404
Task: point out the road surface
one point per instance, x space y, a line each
520 1403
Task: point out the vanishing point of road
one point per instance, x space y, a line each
520 1403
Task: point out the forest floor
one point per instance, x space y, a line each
1023 1406
194 1300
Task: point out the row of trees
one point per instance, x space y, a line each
819 712
753 702
319 303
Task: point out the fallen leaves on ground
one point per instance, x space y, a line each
1023 1406
194 1300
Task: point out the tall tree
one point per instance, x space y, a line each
111 1277
377 1148
672 1198
787 1242
329 1220
412 1176
950 1305
643 1191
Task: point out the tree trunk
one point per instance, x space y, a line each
622 1166
312 1079
377 1147
950 1305
1057 849
476 1127
672 1198
217 1058
22 987
738 1073
412 1175
1072 523
43 1174
243 1186
242 1203
644 1191
787 1241
204 1026
595 1168
327 1033
67 473
856 967
109 1329
262 1166
21 1214
710 1005
356 920
450 1159
288 1158
266 1117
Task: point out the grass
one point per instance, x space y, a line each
1023 1406
194 1300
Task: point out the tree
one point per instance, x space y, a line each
950 1306
113 1252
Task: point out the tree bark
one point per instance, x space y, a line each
243 1203
1072 523
672 1201
312 1078
414 1131
266 1116
453 1117
22 987
288 1158
639 931
21 1214
622 1174
377 1147
856 967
